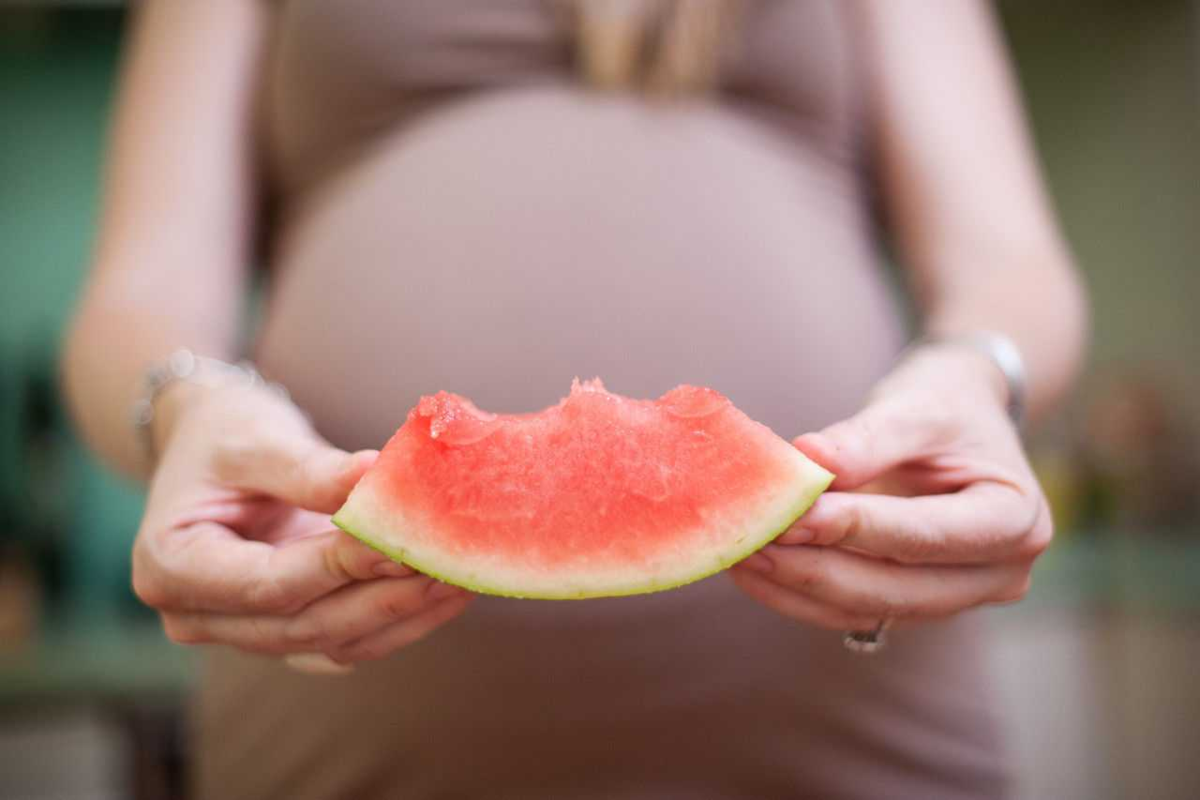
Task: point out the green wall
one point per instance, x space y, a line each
56 77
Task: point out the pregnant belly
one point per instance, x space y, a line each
498 249
504 245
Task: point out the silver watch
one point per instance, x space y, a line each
185 365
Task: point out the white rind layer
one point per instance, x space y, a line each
701 553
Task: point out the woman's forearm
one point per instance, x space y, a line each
1040 304
172 252
971 219
107 352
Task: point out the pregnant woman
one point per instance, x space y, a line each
492 198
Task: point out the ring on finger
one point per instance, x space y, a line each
868 641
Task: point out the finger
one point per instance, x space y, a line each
401 634
879 438
207 567
317 664
797 606
878 589
357 611
983 523
325 626
305 472
927 476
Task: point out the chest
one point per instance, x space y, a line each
339 75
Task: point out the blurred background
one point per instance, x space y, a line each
1097 667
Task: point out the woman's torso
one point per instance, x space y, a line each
455 213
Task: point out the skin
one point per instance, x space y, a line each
236 547
935 509
966 518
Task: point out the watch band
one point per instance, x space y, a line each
1003 352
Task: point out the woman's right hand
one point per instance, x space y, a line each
236 546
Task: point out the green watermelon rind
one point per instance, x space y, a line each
818 481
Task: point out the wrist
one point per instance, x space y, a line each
968 366
987 359
171 405
185 382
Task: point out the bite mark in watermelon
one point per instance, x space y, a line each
600 495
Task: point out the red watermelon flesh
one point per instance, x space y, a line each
599 495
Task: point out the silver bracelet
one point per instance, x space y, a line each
1003 352
185 365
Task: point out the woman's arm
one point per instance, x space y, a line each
971 219
171 257
963 518
235 546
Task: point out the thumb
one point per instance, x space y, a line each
308 473
871 443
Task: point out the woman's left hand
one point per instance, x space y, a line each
935 508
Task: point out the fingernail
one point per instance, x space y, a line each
759 562
796 535
392 569
441 591
317 664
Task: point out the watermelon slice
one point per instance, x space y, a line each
597 496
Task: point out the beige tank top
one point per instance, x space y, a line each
455 212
